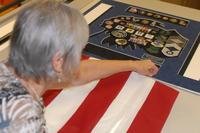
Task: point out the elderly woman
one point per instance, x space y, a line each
46 47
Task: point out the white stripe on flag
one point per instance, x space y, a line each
65 104
124 108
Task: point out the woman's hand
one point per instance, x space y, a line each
145 67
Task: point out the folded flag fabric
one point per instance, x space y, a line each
124 102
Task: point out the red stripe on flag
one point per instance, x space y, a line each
155 110
48 96
95 104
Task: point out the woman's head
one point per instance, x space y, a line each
42 32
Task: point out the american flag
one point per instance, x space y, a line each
124 102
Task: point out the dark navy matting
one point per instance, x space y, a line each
170 41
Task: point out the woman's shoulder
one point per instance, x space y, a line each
21 114
19 109
16 104
10 86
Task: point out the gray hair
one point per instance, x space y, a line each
40 31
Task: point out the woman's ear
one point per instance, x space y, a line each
57 62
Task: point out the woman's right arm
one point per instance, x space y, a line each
97 69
